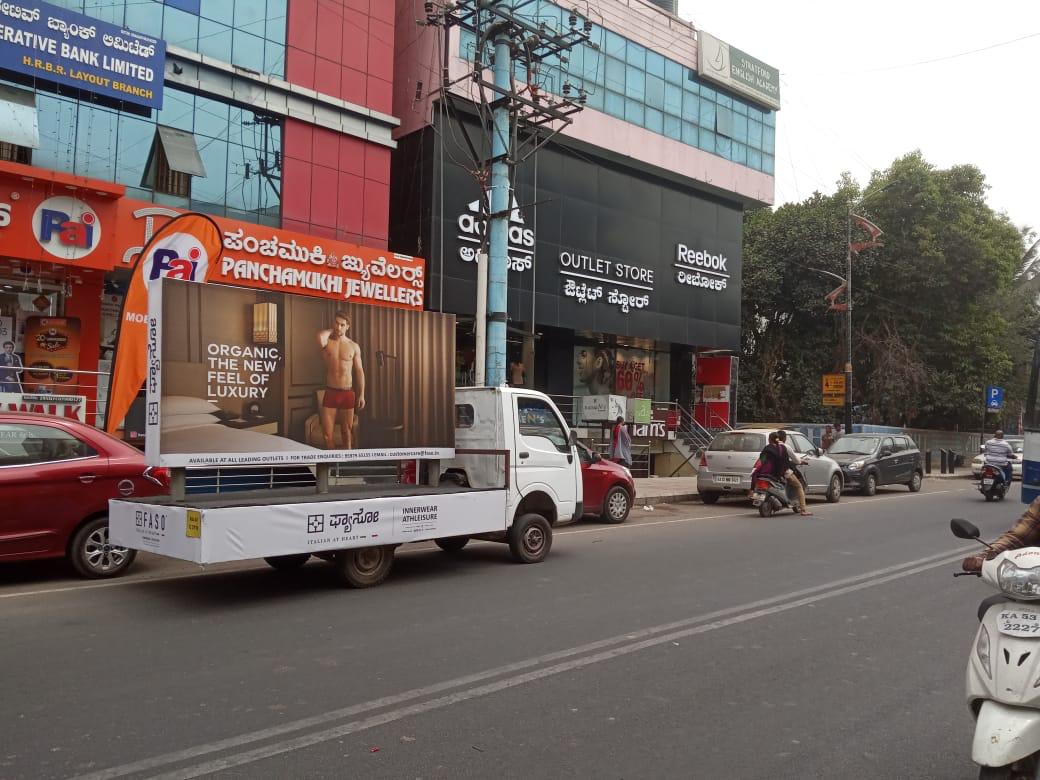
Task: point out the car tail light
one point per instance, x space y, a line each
704 459
762 484
157 476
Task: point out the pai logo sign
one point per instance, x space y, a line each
177 256
66 227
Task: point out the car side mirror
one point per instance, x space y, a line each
885 452
962 529
596 457
816 452
572 437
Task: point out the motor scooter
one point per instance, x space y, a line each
1003 679
770 494
992 483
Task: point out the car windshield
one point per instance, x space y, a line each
854 445
738 441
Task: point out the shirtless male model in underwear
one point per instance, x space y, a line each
344 382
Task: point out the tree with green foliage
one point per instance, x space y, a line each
935 314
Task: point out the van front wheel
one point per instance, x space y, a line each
530 539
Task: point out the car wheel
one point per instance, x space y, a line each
367 566
616 505
452 544
915 482
530 539
870 484
287 562
710 498
93 556
834 490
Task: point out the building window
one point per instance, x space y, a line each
15 153
174 159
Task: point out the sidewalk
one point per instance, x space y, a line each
673 490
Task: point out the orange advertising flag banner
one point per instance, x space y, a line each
187 247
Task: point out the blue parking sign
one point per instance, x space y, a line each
994 399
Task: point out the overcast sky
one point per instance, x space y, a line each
854 97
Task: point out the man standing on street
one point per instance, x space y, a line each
621 443
10 370
828 438
344 382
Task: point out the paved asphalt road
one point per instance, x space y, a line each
693 641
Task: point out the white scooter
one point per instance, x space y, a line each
1003 681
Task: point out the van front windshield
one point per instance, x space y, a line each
854 445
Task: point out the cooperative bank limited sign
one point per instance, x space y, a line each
48 42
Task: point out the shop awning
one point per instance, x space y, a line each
18 121
182 153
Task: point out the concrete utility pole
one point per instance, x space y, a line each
510 35
848 320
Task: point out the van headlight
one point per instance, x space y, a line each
1019 583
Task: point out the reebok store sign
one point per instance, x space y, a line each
698 268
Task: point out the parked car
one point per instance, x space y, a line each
870 460
725 466
56 477
1018 445
608 488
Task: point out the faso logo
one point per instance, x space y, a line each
472 227
178 256
66 227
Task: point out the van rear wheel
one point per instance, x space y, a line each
530 539
367 566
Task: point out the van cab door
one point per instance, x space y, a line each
545 460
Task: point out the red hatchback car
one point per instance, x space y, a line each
608 487
56 477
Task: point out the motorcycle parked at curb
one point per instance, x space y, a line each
770 494
992 483
1003 679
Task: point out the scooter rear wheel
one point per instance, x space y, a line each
765 509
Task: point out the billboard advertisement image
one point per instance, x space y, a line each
51 354
245 376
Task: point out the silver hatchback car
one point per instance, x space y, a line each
726 465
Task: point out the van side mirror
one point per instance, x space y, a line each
962 529
572 437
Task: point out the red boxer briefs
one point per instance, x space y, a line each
338 399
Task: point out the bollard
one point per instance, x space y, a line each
927 461
953 461
943 460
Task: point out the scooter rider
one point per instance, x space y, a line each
999 455
793 475
1025 533
774 461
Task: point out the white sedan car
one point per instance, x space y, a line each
1016 465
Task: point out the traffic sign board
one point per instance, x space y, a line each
994 399
834 384
829 399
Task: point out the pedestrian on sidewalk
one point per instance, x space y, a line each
621 443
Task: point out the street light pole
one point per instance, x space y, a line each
848 321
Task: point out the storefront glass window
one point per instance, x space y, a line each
102 143
250 33
621 72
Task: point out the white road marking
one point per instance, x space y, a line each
595 652
566 530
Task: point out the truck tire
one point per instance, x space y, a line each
530 539
452 544
93 557
616 505
287 562
367 566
